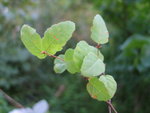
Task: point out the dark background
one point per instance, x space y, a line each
127 55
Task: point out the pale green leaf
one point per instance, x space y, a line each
59 65
81 50
99 30
56 36
102 89
97 90
71 67
109 83
92 65
32 41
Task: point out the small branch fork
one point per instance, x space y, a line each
11 100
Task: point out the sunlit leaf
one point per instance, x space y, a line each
92 65
99 31
32 41
59 65
56 36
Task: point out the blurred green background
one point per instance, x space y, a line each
127 56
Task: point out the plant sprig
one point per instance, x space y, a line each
84 58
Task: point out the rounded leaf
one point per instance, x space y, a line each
99 30
92 65
56 36
109 83
32 41
102 89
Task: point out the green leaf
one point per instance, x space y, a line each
59 65
81 50
92 65
32 41
71 67
109 83
56 36
102 89
99 31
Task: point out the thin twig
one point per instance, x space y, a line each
11 100
112 107
44 52
109 108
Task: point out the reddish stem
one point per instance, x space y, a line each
98 46
44 52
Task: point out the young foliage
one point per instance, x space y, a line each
32 41
54 38
84 59
99 31
102 89
82 49
92 65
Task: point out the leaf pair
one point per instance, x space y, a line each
102 89
54 38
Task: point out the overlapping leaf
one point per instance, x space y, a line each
109 83
59 65
82 49
99 31
71 67
103 88
92 65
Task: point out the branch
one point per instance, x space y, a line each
112 107
11 100
44 52
109 108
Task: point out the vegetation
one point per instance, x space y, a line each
29 80
84 59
